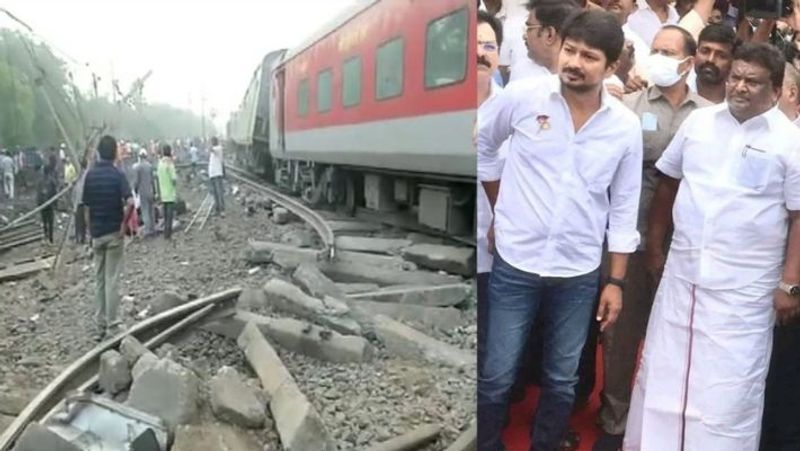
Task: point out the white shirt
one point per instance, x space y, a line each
645 22
513 52
554 208
215 162
484 208
730 213
640 50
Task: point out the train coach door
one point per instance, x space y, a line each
280 113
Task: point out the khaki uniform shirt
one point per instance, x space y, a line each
659 121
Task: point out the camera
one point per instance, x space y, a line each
768 9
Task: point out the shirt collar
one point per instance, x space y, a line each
769 118
552 86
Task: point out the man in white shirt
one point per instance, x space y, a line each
490 39
650 16
780 429
572 177
715 48
733 174
215 174
537 54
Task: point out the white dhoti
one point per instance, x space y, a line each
700 385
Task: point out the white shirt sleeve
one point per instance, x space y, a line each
625 190
791 182
494 127
671 161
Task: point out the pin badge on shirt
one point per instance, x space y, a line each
544 122
649 122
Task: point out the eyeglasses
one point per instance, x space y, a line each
488 46
528 27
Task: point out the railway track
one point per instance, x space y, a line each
81 375
305 213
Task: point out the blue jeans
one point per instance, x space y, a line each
517 298
218 192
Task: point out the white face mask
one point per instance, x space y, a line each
663 70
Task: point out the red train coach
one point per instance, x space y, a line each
384 99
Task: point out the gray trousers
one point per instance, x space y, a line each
218 191
108 253
148 207
621 345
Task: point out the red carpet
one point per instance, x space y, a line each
516 434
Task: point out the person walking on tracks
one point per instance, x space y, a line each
144 185
46 190
166 187
215 174
7 169
108 202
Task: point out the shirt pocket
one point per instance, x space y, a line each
596 166
753 170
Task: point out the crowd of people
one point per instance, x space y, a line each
639 183
120 190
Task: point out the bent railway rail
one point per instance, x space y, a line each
82 373
305 213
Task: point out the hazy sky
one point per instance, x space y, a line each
195 48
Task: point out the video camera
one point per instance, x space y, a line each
768 9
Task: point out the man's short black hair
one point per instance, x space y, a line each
214 141
766 56
719 34
107 148
494 22
553 13
166 150
597 29
689 44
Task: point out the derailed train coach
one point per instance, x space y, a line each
374 111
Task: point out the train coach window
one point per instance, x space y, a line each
324 84
302 97
389 69
446 49
351 81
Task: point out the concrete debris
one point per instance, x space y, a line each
456 260
441 318
251 298
349 227
166 301
389 246
167 351
132 349
143 363
235 402
280 215
290 298
341 324
168 391
13 402
114 375
355 288
335 306
421 238
392 262
359 272
314 282
213 437
299 425
431 296
410 440
467 441
304 338
36 437
283 255
298 238
408 342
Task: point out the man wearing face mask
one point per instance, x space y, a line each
661 108
730 187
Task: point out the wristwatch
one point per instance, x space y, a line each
618 282
791 290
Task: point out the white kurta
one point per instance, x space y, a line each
700 385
